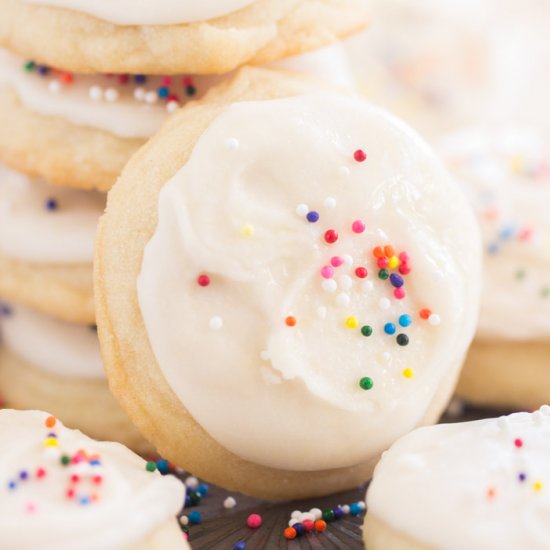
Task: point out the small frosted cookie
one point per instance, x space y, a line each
474 485
172 36
62 490
506 173
80 130
280 285
46 246
49 364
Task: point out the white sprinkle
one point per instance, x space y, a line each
361 504
184 520
367 286
54 86
302 210
537 417
502 423
216 323
344 171
343 299
179 470
229 503
264 355
111 95
296 514
150 97
348 260
322 312
329 285
346 282
52 454
95 93
316 512
191 482
545 409
232 144
434 319
305 516
384 303
139 93
172 106
386 356
345 509
330 203
293 522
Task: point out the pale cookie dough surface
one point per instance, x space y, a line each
113 504
475 485
264 31
141 386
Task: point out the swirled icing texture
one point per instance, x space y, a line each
145 12
506 173
288 396
469 485
137 111
63 349
37 513
34 229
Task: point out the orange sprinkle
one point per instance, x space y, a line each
389 251
425 313
378 252
290 321
490 493
320 525
50 421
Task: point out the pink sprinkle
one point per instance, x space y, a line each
404 268
399 293
327 272
166 81
254 521
30 508
404 257
383 262
336 261
358 226
525 234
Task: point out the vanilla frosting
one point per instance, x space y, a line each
506 173
267 345
475 485
129 106
46 224
113 504
63 349
145 12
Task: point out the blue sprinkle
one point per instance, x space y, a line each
299 528
493 248
43 70
163 92
51 204
140 78
241 545
195 518
187 501
396 280
355 509
203 489
405 320
507 232
312 216
338 512
522 477
389 328
12 485
84 501
162 466
5 310
95 462
23 475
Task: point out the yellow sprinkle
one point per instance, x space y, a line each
408 372
517 164
393 262
537 486
247 230
50 442
351 322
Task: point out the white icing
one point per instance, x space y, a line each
293 392
435 484
30 232
37 514
506 173
50 345
145 12
137 112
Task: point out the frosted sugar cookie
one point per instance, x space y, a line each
506 173
475 485
170 37
287 280
46 246
49 364
62 490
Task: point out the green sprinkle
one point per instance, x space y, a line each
328 514
520 274
366 383
29 66
151 466
383 274
65 460
545 292
366 330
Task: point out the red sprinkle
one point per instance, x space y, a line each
361 272
360 155
203 280
40 473
518 443
331 236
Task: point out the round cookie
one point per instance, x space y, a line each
106 37
46 246
506 173
475 485
288 359
80 130
61 489
49 364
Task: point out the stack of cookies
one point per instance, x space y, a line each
82 87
